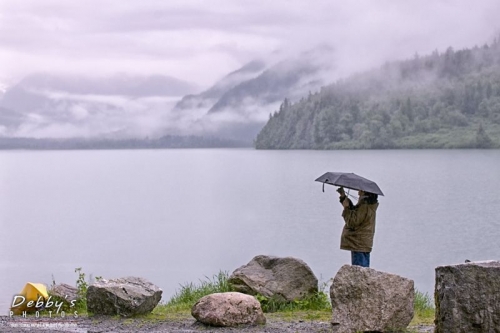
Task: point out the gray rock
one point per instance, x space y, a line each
284 279
468 297
65 292
228 309
125 297
364 299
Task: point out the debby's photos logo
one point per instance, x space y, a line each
22 306
34 299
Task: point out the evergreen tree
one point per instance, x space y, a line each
482 138
417 103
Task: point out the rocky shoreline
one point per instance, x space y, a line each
101 324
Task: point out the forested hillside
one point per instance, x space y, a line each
442 100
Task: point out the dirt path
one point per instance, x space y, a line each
109 325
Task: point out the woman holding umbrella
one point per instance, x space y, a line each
359 228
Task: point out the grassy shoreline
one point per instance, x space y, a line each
317 307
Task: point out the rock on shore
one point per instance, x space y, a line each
468 297
364 299
228 309
286 279
126 297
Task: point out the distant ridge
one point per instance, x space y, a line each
442 100
209 97
238 105
123 106
118 84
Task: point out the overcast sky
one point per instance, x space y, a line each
200 40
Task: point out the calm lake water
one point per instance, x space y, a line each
177 216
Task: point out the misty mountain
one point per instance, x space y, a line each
126 106
38 92
209 97
119 84
442 100
51 105
238 106
291 78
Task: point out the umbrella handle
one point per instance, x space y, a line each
323 186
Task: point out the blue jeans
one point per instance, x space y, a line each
360 258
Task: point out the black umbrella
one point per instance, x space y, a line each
349 180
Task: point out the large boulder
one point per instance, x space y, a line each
468 297
285 279
364 299
126 297
228 309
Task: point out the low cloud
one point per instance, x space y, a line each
79 112
241 124
201 42
70 115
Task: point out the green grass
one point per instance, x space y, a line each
423 308
190 293
183 300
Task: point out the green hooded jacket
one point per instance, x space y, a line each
359 227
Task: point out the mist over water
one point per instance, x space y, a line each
176 216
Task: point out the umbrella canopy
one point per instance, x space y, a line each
350 180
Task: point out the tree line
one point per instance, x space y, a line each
442 100
164 142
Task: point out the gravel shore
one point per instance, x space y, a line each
123 325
